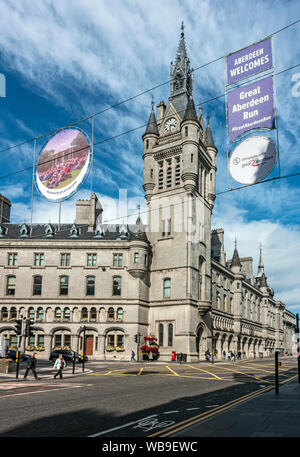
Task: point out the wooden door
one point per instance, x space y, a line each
89 344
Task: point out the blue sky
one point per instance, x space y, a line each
62 64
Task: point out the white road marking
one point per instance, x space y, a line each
121 426
170 412
191 409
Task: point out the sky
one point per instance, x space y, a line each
63 64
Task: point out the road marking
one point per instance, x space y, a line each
206 414
170 412
140 372
121 426
246 374
38 391
191 409
209 372
175 374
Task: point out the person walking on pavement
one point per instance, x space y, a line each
132 356
59 366
31 365
150 356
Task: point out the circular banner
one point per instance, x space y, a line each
63 164
252 160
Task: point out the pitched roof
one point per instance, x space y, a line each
152 124
190 111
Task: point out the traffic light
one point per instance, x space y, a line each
136 338
29 328
18 327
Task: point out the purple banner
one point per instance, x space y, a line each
251 107
249 61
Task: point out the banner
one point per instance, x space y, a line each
251 107
249 61
252 160
63 164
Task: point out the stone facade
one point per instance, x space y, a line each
169 279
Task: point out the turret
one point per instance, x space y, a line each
150 138
212 151
190 134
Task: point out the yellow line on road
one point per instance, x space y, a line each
209 372
140 372
245 374
175 374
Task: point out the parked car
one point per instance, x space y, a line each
67 355
11 354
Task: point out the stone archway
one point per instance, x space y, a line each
199 333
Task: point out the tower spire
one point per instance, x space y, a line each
261 269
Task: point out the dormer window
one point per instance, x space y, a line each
74 232
24 231
49 231
123 233
3 230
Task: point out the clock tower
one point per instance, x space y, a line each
179 183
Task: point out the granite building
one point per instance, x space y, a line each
168 278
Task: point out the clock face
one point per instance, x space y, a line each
171 124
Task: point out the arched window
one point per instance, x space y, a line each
13 313
161 334
110 314
90 285
93 314
116 285
40 313
4 313
170 335
11 285
57 313
63 285
31 313
84 314
120 314
167 288
37 285
67 314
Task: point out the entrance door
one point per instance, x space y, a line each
89 344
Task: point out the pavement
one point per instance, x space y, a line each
266 415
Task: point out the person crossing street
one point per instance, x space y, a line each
59 365
31 365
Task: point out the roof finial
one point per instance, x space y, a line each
235 243
182 29
152 102
139 209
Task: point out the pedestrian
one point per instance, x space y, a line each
59 365
233 356
224 355
229 355
150 356
31 365
132 356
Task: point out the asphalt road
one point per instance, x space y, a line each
128 399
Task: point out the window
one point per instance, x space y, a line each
39 259
110 314
116 285
11 285
91 260
13 341
57 341
186 131
167 288
31 340
146 259
13 313
170 335
120 341
93 314
4 314
147 144
57 313
31 314
12 259
151 173
111 340
63 285
192 157
67 314
84 314
117 260
65 260
67 341
120 314
136 257
169 177
41 341
40 314
231 305
90 285
160 178
161 334
163 228
37 285
169 226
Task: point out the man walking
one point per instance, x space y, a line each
31 365
59 366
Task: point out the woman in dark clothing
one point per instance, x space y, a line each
31 365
